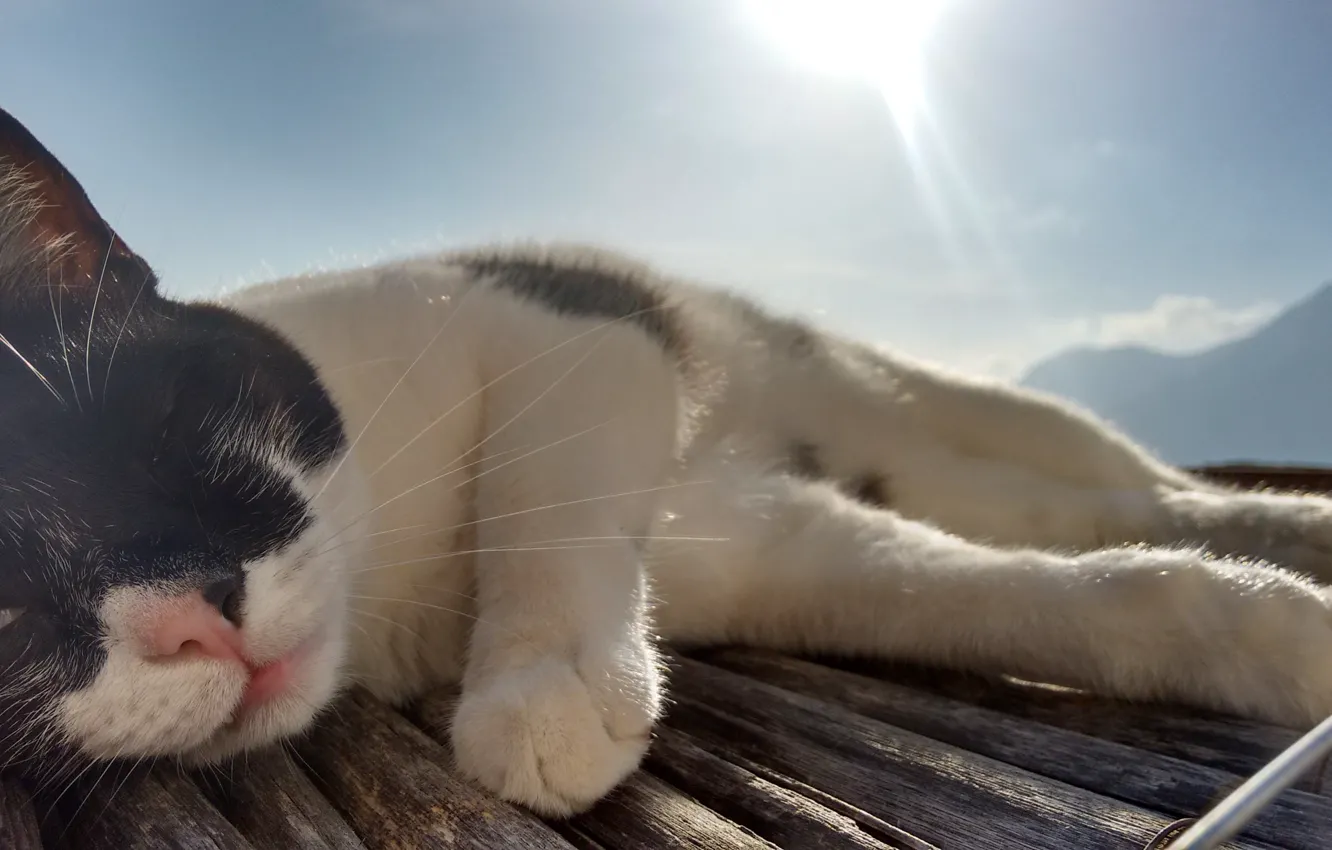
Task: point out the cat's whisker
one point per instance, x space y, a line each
21 737
455 465
401 378
294 751
129 771
561 441
458 553
451 470
391 622
533 403
589 499
360 364
646 538
395 531
58 313
470 597
33 369
624 495
53 772
110 361
603 542
73 817
447 610
92 316
73 780
315 550
359 627
492 382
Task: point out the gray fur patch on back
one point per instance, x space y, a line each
805 463
573 288
870 489
789 337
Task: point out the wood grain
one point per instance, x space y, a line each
647 812
158 810
781 816
276 805
889 834
944 794
644 812
393 785
1231 744
1174 787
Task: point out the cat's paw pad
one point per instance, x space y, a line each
554 737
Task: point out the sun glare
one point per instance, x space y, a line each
879 41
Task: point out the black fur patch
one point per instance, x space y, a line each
871 489
805 462
573 290
132 478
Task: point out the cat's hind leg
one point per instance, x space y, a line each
806 568
997 463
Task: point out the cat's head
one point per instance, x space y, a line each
170 571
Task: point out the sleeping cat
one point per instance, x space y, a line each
518 470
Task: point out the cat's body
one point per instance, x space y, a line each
545 461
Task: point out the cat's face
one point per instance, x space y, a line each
171 579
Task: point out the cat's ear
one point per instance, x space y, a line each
59 222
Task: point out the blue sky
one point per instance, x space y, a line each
1098 171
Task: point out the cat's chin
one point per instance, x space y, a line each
309 680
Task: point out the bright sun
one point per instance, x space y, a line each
876 40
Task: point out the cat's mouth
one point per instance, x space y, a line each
280 699
271 681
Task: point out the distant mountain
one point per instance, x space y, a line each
1266 397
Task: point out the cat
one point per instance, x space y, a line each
519 469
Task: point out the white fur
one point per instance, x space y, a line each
472 413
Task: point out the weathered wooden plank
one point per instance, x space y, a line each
943 794
433 714
1232 744
392 783
158 810
19 829
576 836
872 825
772 812
644 812
647 812
1178 788
275 805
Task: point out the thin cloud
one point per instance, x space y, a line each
1179 323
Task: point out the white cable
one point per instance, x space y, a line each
1244 803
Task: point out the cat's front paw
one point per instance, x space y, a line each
1253 641
554 735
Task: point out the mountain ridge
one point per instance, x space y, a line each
1265 397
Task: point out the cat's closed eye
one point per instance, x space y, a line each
8 616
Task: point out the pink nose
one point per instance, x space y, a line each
188 625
